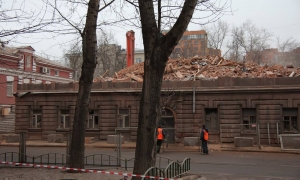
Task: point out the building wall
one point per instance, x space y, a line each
193 43
220 104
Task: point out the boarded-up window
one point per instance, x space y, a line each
211 119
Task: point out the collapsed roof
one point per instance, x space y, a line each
208 67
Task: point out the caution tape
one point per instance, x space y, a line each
84 170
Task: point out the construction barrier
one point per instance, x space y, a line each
125 175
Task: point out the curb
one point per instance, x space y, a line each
190 177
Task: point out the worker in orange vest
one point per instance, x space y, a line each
160 138
204 139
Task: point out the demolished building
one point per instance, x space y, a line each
232 99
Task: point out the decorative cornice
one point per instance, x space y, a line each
37 76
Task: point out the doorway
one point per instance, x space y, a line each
168 124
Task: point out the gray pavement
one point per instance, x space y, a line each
169 147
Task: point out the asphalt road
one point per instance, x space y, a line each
217 165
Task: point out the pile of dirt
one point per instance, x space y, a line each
205 68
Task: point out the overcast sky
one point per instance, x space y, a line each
281 18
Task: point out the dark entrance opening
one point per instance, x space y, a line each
167 122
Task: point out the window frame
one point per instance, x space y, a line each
122 117
291 114
9 92
28 61
93 114
138 60
249 115
64 115
34 124
56 72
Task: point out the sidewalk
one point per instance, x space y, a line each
171 147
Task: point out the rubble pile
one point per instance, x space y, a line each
208 67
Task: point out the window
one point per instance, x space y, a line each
196 42
36 119
290 120
211 119
28 61
249 118
93 121
64 119
56 73
123 118
9 90
138 60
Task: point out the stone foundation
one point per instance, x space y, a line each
55 138
12 138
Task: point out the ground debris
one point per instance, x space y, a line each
208 67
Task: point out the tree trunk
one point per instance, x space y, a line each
157 47
89 46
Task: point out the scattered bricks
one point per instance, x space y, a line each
191 141
13 138
243 141
55 138
113 139
296 143
212 67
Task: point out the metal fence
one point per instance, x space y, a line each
290 142
98 160
173 169
262 133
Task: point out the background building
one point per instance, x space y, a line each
273 56
193 43
21 66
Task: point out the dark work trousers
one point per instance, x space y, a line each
158 145
204 147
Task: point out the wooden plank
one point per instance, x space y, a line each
134 77
179 75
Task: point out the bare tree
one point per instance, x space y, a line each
73 59
87 31
109 55
154 17
17 19
248 39
287 45
216 34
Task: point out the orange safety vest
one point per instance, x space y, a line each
205 135
160 135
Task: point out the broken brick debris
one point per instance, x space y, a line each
209 67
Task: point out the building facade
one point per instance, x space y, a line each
194 43
273 56
21 66
229 107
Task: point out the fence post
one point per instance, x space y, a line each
119 148
69 137
22 148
